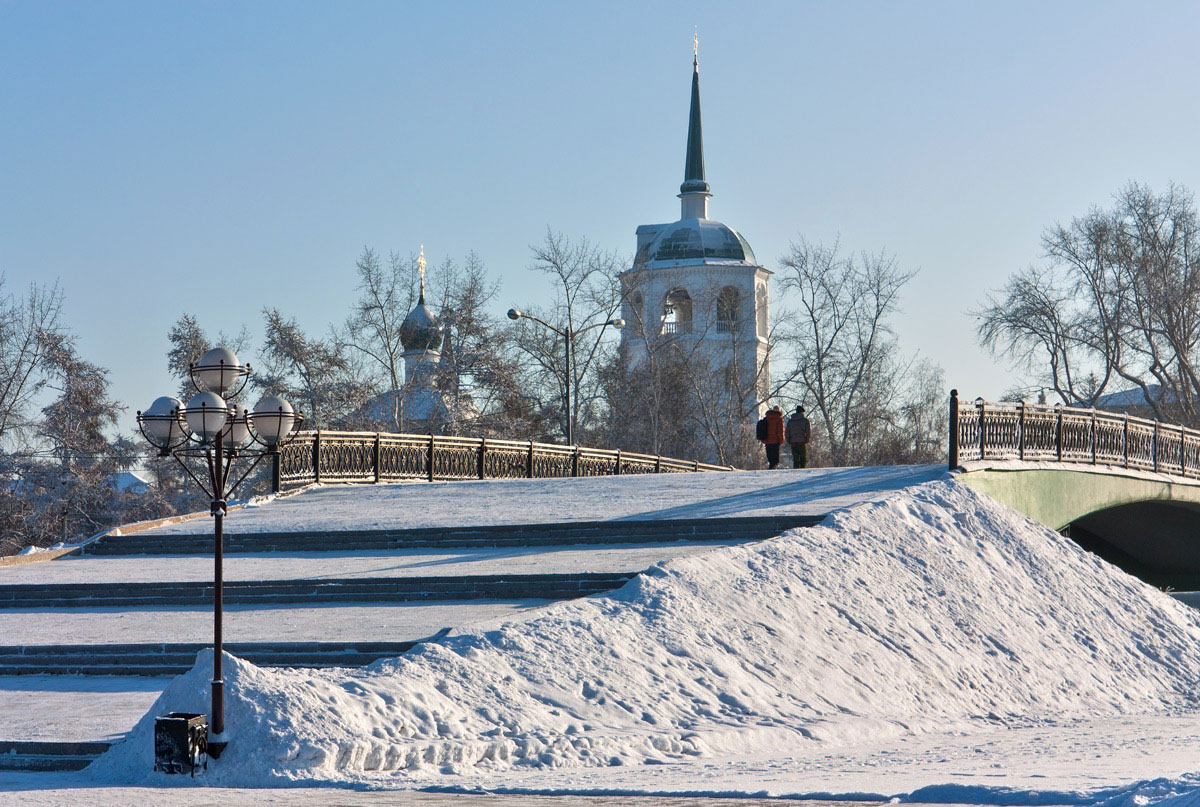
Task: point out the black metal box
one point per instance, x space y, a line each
180 743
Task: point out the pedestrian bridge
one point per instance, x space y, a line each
1123 487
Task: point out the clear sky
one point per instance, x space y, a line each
215 158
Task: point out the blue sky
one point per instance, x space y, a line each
214 158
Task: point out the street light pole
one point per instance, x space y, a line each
217 509
569 343
568 336
215 432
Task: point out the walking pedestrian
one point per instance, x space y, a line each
798 433
770 433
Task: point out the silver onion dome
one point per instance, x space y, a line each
421 329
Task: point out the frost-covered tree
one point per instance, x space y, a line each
385 296
321 377
60 485
189 342
480 371
27 321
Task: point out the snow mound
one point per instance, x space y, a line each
934 609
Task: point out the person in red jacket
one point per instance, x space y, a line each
770 433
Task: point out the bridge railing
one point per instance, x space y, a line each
985 430
372 457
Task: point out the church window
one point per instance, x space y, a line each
727 310
731 377
677 312
635 309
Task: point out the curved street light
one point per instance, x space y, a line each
214 429
569 335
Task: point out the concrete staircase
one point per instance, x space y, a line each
557 534
44 757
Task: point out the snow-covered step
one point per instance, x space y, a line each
549 534
48 756
153 659
268 592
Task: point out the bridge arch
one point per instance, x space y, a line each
1125 488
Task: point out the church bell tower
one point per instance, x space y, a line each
696 282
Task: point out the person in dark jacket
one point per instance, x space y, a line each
771 429
798 433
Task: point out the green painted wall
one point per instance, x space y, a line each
1056 498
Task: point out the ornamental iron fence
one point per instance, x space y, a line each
371 457
987 430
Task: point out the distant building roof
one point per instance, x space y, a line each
132 481
417 404
1133 397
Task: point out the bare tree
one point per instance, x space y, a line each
1038 324
1118 302
587 294
648 389
921 425
27 323
845 350
479 372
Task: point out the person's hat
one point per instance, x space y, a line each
799 410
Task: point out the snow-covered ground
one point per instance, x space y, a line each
35 789
73 708
815 491
911 646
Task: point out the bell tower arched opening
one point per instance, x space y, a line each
677 312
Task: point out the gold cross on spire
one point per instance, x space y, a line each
421 269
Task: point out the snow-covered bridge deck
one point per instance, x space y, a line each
810 492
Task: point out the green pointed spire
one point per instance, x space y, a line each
693 170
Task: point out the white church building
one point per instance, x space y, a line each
696 280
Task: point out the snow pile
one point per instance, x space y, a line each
1181 792
37 550
934 609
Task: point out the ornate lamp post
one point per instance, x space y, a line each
569 337
214 433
